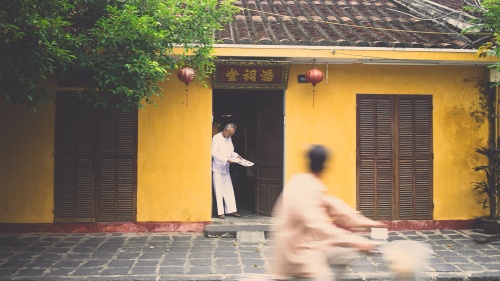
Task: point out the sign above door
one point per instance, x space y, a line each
254 75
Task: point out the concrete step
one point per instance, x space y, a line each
232 230
250 227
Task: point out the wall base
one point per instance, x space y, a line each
199 226
103 227
430 224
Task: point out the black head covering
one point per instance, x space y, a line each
317 157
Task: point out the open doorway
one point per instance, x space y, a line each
258 116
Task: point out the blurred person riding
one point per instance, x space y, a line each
311 228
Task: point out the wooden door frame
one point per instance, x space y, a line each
257 92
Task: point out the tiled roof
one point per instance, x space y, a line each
365 23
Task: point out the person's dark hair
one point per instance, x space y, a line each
317 158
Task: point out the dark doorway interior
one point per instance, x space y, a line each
239 108
258 116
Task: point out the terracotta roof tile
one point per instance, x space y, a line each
375 23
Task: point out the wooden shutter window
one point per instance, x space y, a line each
117 166
95 163
375 157
394 158
415 157
73 160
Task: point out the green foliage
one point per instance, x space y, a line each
490 186
487 25
119 47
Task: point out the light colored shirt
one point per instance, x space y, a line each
305 226
222 150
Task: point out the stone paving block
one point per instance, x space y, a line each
469 267
7 271
83 250
85 271
15 263
483 259
36 249
175 255
174 262
491 266
254 269
115 271
226 261
128 255
94 263
193 278
201 255
199 270
200 262
147 263
228 269
446 253
171 270
177 249
143 270
250 255
253 262
59 272
68 263
226 254
201 249
151 256
202 241
42 263
31 272
227 248
456 260
121 263
157 244
443 267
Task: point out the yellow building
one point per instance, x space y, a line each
397 121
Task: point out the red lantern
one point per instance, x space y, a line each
186 75
314 76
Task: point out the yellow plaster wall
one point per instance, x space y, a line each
174 170
174 159
26 164
332 122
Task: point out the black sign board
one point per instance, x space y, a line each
261 75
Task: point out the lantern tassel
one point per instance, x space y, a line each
186 96
313 96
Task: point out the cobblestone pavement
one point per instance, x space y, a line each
191 256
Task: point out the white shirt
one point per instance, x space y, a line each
222 150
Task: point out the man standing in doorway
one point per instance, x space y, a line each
222 152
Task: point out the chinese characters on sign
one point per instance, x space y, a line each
251 75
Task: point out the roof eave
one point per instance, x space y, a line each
354 55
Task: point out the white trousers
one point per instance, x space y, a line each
224 193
